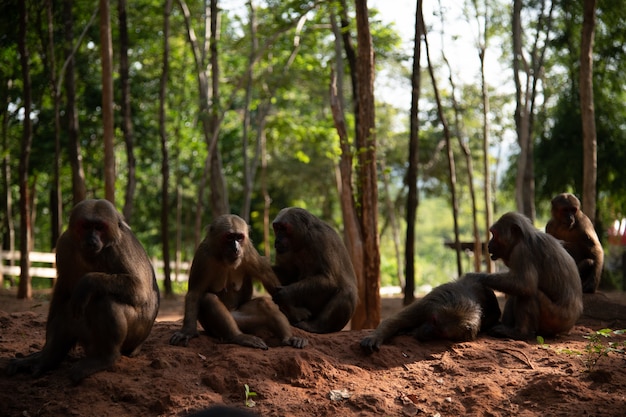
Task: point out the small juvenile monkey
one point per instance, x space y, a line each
106 297
570 225
454 311
219 294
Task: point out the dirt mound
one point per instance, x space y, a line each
329 377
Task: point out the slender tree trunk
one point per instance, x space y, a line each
351 228
412 199
395 229
350 57
219 191
450 154
482 51
587 110
8 222
165 168
127 121
25 289
55 191
525 97
106 53
247 171
79 191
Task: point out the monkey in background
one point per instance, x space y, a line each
454 311
106 297
542 283
318 290
570 225
220 290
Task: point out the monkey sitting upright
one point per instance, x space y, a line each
544 291
570 225
220 290
106 297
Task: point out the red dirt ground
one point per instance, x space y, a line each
487 377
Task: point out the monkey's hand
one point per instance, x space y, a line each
29 364
182 337
280 295
249 341
294 341
371 344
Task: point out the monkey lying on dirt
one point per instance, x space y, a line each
455 311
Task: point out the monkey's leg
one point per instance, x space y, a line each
262 312
219 322
519 320
102 332
59 340
332 317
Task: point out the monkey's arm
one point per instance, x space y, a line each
411 316
521 283
199 282
313 286
122 288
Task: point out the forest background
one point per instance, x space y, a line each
181 110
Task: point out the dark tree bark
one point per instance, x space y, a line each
587 110
450 154
165 168
219 193
56 209
79 191
412 199
367 313
106 53
127 121
25 289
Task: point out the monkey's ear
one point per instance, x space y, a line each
516 231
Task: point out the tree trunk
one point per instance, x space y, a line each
482 50
219 191
367 313
55 191
8 225
587 110
351 228
412 199
127 121
79 191
450 154
525 96
25 289
165 168
106 53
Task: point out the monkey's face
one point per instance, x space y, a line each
566 215
232 247
282 242
499 247
93 236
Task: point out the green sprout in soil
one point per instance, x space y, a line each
249 394
597 347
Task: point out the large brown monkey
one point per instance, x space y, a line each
454 311
573 227
219 295
318 292
545 294
105 298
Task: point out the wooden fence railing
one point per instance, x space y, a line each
43 266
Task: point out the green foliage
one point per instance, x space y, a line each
249 394
597 347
